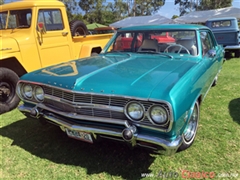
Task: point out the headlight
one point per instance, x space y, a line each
134 111
39 93
27 91
158 114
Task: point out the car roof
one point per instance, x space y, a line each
164 27
30 3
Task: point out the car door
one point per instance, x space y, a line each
210 57
53 42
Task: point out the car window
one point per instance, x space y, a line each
206 42
52 19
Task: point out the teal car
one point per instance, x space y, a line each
138 90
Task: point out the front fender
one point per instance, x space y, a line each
8 45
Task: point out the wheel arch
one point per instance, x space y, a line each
88 49
96 49
13 64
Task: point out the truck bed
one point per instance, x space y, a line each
226 38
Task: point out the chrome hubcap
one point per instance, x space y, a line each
190 131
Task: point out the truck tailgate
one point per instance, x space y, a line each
226 38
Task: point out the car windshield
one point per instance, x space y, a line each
155 41
16 19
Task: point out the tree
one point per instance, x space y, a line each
1 2
186 6
87 5
93 10
147 7
117 10
214 4
175 16
71 6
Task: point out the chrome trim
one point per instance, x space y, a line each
127 113
5 49
158 128
169 146
150 118
78 117
22 91
85 105
34 93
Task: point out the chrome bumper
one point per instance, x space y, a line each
170 147
232 47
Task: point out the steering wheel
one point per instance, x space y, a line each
178 46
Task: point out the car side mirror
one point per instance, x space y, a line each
41 27
212 52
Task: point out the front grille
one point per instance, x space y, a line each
86 98
109 101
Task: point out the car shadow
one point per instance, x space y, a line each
49 142
234 109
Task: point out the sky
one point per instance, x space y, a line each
169 9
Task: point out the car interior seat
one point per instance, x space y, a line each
149 45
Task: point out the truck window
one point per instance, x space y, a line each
3 19
17 19
225 23
20 18
206 42
52 18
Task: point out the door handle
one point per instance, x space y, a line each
64 33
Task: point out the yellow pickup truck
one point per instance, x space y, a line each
35 34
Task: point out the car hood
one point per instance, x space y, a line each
128 75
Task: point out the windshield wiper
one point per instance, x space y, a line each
121 52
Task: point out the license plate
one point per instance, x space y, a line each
79 135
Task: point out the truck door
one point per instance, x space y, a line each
54 42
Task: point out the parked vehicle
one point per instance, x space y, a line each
227 33
104 30
36 34
145 95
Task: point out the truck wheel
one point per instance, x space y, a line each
8 97
78 28
94 54
237 53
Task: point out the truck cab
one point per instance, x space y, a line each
35 34
227 33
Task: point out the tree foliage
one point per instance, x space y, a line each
102 12
1 2
214 4
147 7
71 7
186 6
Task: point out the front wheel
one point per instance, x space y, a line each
237 53
190 131
8 97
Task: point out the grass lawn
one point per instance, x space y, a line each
32 151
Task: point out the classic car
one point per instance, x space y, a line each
145 95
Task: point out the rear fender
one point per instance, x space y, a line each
88 49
